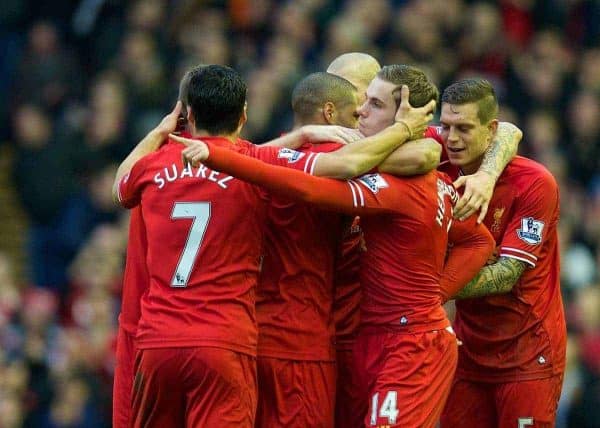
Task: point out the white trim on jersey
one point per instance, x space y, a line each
512 256
516 250
314 162
119 196
353 192
307 163
356 190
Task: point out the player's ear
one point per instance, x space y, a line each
329 113
243 117
493 127
190 119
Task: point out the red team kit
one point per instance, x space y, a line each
250 291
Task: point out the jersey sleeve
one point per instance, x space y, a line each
471 245
535 212
130 187
369 194
304 160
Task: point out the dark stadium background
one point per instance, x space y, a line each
83 81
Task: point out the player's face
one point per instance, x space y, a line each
379 109
465 137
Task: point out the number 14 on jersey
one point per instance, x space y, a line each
388 409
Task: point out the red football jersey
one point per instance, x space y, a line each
519 335
406 242
204 232
295 287
346 283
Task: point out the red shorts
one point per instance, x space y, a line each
524 404
350 408
123 381
295 393
406 376
194 387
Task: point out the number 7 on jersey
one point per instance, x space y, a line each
200 213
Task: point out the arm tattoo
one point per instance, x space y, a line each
501 150
498 278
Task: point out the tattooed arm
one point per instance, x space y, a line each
502 149
497 278
479 187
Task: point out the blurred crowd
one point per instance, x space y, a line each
85 80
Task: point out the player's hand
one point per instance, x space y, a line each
170 122
416 119
479 188
316 134
195 151
494 257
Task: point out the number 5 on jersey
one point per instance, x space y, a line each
200 213
388 409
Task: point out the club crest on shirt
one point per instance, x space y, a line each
373 182
531 230
292 156
498 213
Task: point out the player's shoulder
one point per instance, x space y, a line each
524 172
447 168
270 154
261 152
158 157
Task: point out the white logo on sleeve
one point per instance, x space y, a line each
531 230
292 156
373 182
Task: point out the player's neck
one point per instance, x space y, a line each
199 133
472 167
300 122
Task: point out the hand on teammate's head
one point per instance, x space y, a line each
170 122
416 119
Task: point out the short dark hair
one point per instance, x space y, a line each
316 89
478 91
422 90
217 95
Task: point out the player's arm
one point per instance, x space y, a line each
480 186
497 278
360 157
342 196
315 134
522 245
150 143
413 158
471 246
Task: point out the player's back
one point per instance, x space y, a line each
295 290
346 283
404 258
295 285
204 232
520 333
